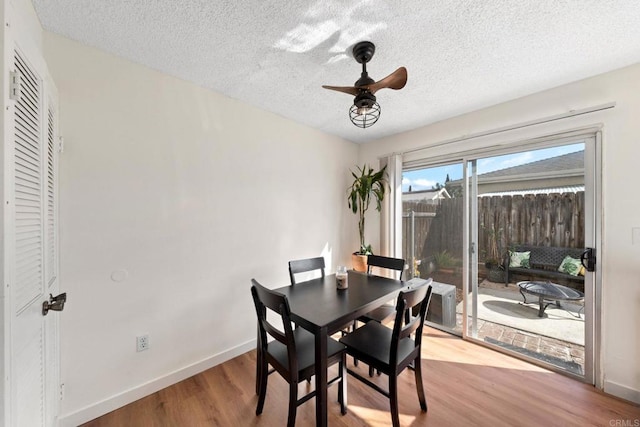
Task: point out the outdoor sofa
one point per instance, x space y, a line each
544 262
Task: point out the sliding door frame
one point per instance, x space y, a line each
593 232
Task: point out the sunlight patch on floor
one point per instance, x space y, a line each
476 355
376 418
466 360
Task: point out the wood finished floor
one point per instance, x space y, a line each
466 385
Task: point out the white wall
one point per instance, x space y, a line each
619 259
185 195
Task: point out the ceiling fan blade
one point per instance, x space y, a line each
346 89
395 80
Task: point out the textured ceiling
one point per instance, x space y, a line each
461 55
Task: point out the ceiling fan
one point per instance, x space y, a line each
365 111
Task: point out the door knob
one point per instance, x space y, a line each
55 303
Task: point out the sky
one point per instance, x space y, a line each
425 179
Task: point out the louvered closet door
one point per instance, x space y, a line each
35 269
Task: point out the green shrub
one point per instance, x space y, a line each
444 259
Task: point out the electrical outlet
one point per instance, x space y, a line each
142 343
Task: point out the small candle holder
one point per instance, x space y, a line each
342 278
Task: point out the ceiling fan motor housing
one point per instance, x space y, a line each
364 99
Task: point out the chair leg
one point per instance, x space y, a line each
258 367
353 328
293 403
419 385
342 391
258 375
393 399
264 375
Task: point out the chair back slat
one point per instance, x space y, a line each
410 327
275 332
305 265
264 299
407 300
396 264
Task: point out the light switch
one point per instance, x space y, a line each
635 236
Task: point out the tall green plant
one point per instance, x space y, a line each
367 185
494 237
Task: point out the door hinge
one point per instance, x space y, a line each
62 391
14 86
60 144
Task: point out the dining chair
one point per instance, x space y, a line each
291 353
305 265
396 264
385 312
390 351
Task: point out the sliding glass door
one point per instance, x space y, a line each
502 233
528 227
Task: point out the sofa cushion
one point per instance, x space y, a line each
570 266
519 259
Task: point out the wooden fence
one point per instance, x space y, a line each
534 219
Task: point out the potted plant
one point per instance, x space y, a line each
367 185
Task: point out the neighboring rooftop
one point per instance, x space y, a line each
564 163
559 174
554 190
425 195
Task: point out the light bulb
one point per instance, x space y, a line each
363 110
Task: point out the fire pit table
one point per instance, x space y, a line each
548 293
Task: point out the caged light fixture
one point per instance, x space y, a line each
365 111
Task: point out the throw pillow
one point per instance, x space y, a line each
519 259
570 266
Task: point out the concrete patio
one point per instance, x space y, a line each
505 320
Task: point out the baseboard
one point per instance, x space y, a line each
105 406
621 391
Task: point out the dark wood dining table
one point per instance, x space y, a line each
319 307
